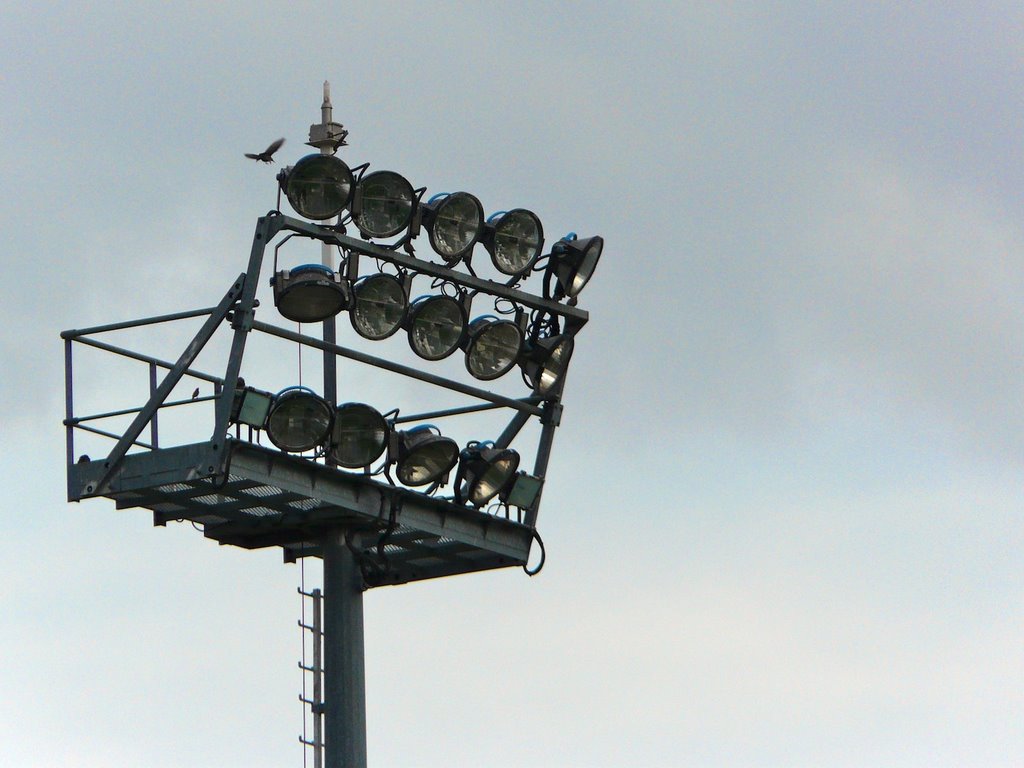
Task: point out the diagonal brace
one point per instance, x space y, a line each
217 316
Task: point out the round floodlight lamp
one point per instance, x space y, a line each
378 306
309 293
492 347
436 326
486 471
546 361
573 262
454 223
514 240
299 420
359 436
384 204
319 186
424 456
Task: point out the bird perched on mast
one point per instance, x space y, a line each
267 155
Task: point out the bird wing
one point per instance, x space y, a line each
274 147
251 156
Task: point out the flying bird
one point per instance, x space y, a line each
267 155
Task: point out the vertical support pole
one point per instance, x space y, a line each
344 665
154 437
550 420
327 258
69 408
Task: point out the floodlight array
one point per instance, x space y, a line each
354 436
384 204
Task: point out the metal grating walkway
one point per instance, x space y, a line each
251 496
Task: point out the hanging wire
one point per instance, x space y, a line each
543 557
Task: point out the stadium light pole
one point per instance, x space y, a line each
344 671
318 489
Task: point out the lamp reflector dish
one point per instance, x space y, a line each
487 471
319 186
436 326
516 242
378 306
299 421
493 347
546 361
457 224
386 204
359 436
424 457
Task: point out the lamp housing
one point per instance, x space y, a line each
422 456
573 262
299 420
436 326
514 240
383 204
521 491
484 472
379 306
310 293
492 347
359 435
318 186
544 362
454 223
251 407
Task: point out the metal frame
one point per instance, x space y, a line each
251 496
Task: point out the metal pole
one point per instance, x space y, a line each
327 258
344 667
69 408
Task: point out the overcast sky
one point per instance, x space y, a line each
783 514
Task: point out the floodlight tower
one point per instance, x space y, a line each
344 660
317 491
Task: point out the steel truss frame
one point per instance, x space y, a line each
250 496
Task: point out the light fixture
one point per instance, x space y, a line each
522 491
484 472
545 360
423 456
318 186
379 303
251 407
436 326
359 436
299 420
492 347
514 239
573 262
383 205
309 293
454 223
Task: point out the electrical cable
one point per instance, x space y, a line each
543 557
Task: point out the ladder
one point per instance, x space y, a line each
313 706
